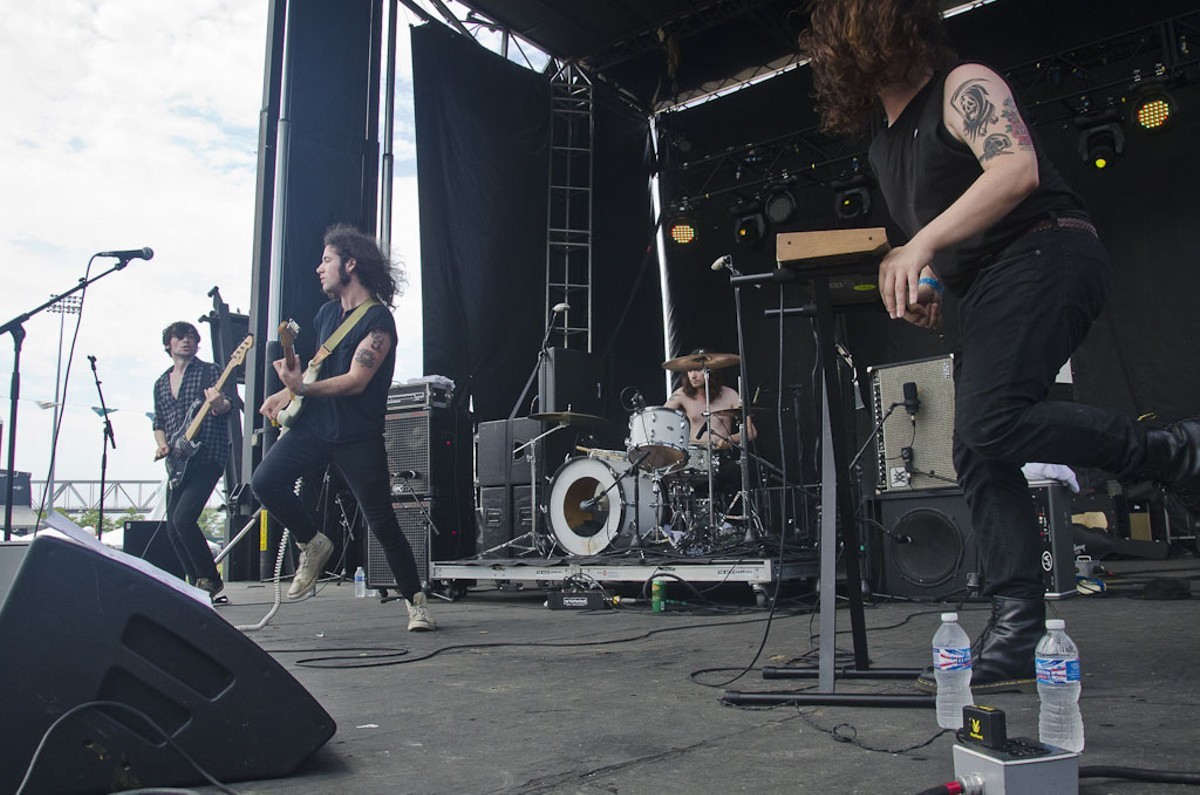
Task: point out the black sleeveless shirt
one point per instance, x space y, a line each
351 418
922 169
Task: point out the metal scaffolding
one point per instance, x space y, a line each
569 207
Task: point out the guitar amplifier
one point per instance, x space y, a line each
433 443
914 453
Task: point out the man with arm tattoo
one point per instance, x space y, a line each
987 217
343 418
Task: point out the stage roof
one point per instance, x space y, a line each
661 52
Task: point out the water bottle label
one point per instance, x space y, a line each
951 659
1055 671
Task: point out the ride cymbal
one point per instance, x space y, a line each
701 361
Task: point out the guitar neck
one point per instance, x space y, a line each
194 428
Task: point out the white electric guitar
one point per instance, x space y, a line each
287 338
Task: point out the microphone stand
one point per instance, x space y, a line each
543 355
109 438
16 327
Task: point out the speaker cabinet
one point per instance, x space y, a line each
434 443
927 436
927 546
494 522
569 380
447 533
148 541
81 632
495 462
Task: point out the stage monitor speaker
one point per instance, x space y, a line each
928 548
451 536
569 380
434 443
77 627
148 541
927 435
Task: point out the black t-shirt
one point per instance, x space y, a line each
351 418
922 169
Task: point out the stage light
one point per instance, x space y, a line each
682 230
781 206
1100 144
1153 110
750 229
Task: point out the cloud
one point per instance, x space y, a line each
134 123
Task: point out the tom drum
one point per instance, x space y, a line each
658 438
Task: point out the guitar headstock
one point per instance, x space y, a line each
288 331
239 353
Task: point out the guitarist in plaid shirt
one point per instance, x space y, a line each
177 392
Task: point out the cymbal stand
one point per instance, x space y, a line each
533 490
708 437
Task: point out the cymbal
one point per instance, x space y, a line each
569 417
700 361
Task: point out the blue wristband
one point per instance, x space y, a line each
934 283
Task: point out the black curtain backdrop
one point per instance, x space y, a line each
482 127
333 155
1142 356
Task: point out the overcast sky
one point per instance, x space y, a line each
131 123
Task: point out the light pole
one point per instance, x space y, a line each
67 305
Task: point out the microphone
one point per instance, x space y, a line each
91 358
408 474
912 403
639 402
722 262
128 254
557 309
590 505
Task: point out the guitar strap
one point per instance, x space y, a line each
328 345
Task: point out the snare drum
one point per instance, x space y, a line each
698 464
658 438
582 532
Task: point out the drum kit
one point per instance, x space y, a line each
662 489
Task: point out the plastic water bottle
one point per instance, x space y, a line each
1057 662
360 583
952 670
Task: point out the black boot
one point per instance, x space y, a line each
1002 655
1173 460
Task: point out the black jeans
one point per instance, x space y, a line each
184 505
1020 321
365 469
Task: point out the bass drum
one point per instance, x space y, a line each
584 532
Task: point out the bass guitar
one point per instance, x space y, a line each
182 446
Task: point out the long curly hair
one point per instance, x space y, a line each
375 270
858 47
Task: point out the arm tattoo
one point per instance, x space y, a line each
995 144
377 338
1016 125
972 102
366 358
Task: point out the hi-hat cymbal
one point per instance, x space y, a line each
569 417
700 361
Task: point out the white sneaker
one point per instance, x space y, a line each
313 555
419 619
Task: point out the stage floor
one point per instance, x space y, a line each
509 696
